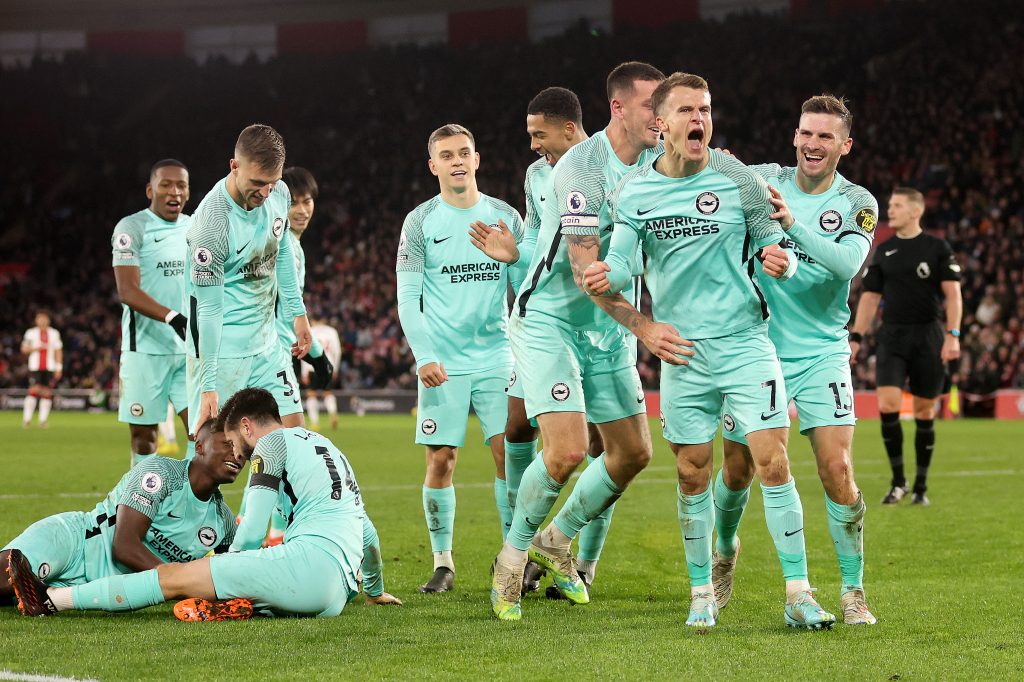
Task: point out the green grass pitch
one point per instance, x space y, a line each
944 581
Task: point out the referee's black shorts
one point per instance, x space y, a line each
914 352
42 378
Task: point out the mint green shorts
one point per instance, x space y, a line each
55 547
822 389
442 411
297 578
515 386
271 370
563 370
734 379
147 384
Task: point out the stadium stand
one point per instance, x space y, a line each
938 107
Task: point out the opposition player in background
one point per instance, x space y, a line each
832 222
149 268
163 510
575 362
45 352
451 303
700 216
312 573
554 122
327 336
919 278
241 262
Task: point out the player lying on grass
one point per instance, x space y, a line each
312 573
163 510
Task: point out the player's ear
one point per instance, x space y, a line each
432 166
233 165
476 160
149 191
846 146
796 137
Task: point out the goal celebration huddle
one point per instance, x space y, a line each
532 322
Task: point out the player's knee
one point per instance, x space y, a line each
836 476
924 411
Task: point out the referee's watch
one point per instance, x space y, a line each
955 333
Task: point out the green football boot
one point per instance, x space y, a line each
561 565
805 612
703 611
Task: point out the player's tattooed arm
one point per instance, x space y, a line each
584 249
661 339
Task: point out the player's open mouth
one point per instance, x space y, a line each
458 174
173 204
695 140
234 466
813 158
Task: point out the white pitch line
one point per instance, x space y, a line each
642 480
26 677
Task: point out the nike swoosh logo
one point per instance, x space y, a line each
436 530
641 213
697 538
172 515
639 400
766 417
243 248
789 533
840 415
889 253
157 241
438 241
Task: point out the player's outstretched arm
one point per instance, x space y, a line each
129 532
258 507
660 338
842 256
373 568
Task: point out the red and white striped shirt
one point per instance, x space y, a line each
43 346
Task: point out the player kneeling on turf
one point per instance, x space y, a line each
312 573
163 510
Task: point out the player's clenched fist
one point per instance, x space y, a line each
595 278
664 341
432 374
775 261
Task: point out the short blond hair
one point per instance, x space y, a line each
911 195
676 80
446 131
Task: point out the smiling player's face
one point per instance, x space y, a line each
820 141
637 114
454 161
685 119
253 182
549 137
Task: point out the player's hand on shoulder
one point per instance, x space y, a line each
432 374
384 600
303 337
782 212
726 152
664 341
774 260
498 243
595 278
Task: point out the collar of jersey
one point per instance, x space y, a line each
832 189
456 208
152 216
655 173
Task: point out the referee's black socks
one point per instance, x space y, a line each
892 436
924 443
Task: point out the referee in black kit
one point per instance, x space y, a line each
918 277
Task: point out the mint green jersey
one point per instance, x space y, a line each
539 189
831 238
316 487
451 296
183 528
157 248
285 324
700 234
240 264
581 180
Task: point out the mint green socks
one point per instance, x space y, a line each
504 508
594 531
537 495
846 525
729 506
785 518
696 521
119 593
518 457
439 510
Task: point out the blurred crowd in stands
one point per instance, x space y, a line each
936 98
